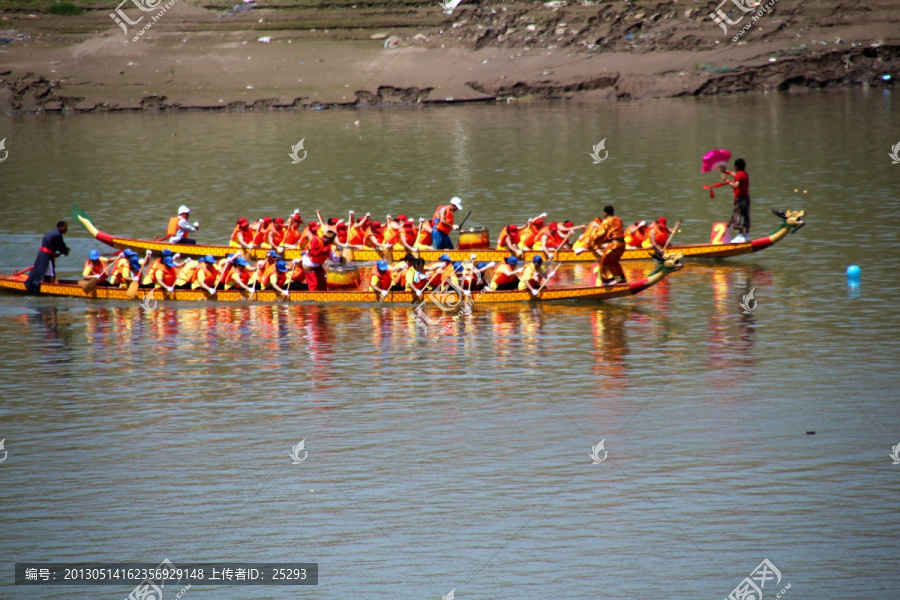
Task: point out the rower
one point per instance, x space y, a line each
265 267
358 232
509 239
225 266
380 281
375 236
95 266
240 275
183 227
548 238
442 224
317 252
447 271
150 275
392 229
44 268
635 234
416 278
472 274
586 240
242 236
528 235
406 240
279 278
186 273
275 237
165 275
206 275
609 245
424 237
293 233
566 229
311 231
126 268
532 276
506 275
341 230
262 231
657 235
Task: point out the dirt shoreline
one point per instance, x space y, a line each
190 59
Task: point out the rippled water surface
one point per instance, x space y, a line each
464 462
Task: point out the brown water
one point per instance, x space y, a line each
464 462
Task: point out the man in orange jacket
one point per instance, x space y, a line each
443 224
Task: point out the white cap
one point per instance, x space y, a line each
457 202
183 209
642 224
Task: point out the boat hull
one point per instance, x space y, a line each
72 289
692 251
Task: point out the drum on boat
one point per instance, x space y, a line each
342 277
473 238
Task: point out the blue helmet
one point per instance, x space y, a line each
280 266
382 265
94 255
445 257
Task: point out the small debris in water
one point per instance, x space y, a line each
810 433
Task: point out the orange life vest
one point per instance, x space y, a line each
172 228
292 236
528 236
207 274
277 235
94 269
165 275
514 238
634 235
379 238
261 235
424 236
245 235
443 218
150 275
382 280
504 274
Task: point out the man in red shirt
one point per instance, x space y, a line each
317 252
740 217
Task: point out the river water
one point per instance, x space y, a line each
463 462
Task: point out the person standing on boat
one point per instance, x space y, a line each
317 252
443 224
184 227
610 240
740 216
44 268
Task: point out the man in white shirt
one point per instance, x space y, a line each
184 227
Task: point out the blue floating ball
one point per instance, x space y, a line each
853 272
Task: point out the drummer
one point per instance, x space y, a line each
317 252
509 239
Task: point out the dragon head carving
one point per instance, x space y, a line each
671 261
793 219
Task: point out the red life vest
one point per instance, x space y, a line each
292 236
382 279
514 237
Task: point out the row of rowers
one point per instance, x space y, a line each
402 234
235 272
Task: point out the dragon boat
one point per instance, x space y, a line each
791 221
452 297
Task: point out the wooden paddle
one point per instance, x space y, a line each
671 235
547 280
136 282
561 244
289 281
89 285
